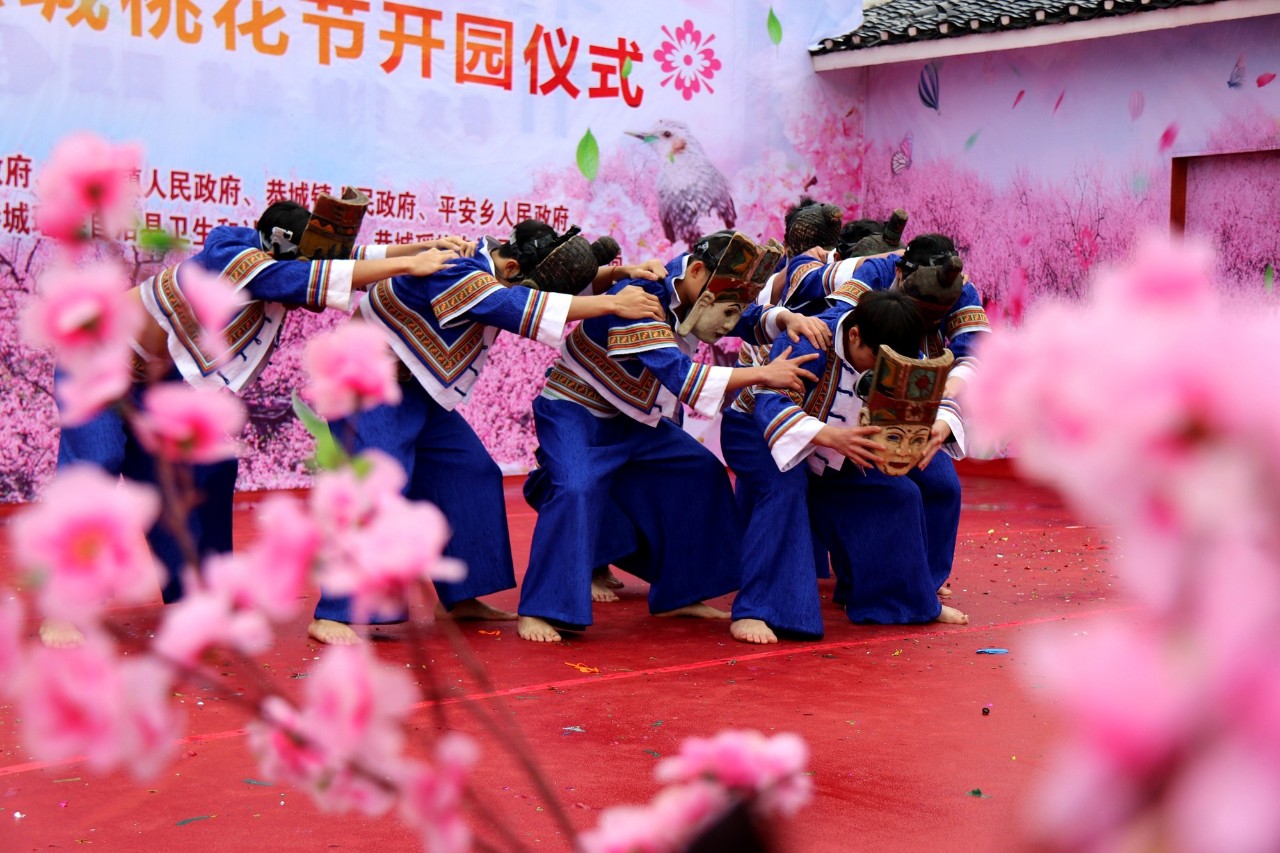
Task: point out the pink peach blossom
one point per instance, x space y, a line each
747 762
68 700
82 311
186 424
86 702
86 176
345 499
10 637
1225 800
351 369
213 299
205 618
350 727
354 703
431 797
272 575
288 753
676 815
149 724
92 385
86 540
399 548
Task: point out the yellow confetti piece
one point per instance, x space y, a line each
491 633
898 652
582 667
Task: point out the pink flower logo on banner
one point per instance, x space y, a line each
688 60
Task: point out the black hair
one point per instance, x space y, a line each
531 241
927 250
291 218
854 231
889 317
804 202
710 249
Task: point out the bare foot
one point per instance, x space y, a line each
951 616
332 633
944 591
752 631
537 630
474 610
57 634
696 611
601 592
606 577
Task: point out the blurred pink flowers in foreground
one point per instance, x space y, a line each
87 176
1150 406
86 541
185 424
706 779
350 369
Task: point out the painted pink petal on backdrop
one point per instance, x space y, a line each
1017 99
87 175
1264 79
186 424
1168 137
86 539
1058 102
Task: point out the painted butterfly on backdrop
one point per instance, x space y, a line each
901 159
1236 80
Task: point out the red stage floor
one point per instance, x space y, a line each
892 714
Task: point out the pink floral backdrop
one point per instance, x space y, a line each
1041 163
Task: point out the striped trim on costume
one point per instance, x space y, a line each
640 337
851 291
239 333
970 319
564 385
446 361
318 284
531 319
694 383
784 421
639 391
457 300
797 277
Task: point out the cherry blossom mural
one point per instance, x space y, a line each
1041 163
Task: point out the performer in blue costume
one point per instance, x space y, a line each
955 323
441 328
870 520
612 453
262 263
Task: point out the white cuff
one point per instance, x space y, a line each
771 323
373 252
555 314
963 372
710 398
955 447
337 293
796 444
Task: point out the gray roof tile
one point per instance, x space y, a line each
903 21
